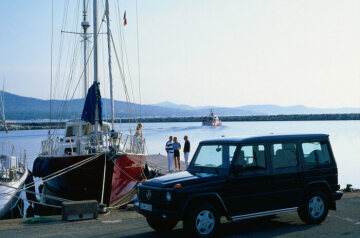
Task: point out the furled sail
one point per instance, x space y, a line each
93 100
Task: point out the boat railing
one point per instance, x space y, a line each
49 146
124 142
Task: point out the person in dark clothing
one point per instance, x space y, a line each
186 150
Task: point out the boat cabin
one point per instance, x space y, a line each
82 128
80 136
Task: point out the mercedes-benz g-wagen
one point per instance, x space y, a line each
243 178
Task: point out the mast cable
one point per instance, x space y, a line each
51 56
138 55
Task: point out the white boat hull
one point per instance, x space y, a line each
9 196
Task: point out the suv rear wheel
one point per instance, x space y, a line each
203 220
161 225
314 207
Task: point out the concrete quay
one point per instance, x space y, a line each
344 222
159 162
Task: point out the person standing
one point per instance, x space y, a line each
177 148
186 151
170 153
137 140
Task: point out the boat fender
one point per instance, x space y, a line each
36 166
42 167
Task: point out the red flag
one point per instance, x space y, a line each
125 20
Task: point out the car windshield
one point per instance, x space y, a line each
213 157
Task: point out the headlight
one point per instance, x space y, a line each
168 196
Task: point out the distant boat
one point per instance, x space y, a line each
13 173
211 120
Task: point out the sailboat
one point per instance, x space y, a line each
92 160
13 172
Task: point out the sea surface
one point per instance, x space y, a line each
344 137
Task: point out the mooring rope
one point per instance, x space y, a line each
35 193
56 174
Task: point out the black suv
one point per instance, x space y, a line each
243 178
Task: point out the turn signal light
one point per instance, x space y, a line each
178 185
142 181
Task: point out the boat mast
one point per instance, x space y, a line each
85 25
109 55
3 108
95 60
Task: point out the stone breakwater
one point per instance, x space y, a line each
298 117
15 126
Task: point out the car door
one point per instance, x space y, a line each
285 175
247 188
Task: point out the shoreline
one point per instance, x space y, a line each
34 125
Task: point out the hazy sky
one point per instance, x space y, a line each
201 52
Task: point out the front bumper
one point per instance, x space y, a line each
337 195
158 214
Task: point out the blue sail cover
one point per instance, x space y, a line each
93 100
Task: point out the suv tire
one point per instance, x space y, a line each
161 225
314 207
203 220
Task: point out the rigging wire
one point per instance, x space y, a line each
76 49
104 77
68 102
128 67
138 56
69 97
60 75
57 74
2 98
123 55
130 108
118 21
51 56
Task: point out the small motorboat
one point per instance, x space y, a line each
13 173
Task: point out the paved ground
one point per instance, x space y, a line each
160 162
345 222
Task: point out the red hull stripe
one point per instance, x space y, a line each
125 199
126 175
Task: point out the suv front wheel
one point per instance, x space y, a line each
314 207
203 220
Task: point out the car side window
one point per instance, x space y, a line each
316 154
252 157
284 155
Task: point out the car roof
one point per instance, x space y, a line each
267 138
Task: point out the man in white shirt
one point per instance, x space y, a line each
170 153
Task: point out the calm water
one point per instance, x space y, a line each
344 136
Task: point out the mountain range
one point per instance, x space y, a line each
28 108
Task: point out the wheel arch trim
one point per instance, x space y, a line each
203 195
